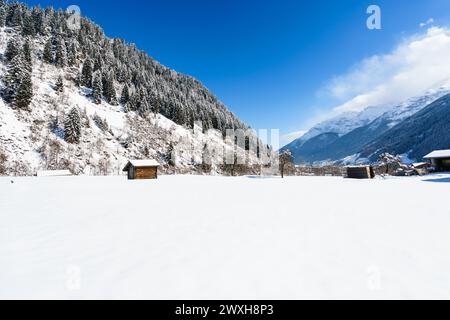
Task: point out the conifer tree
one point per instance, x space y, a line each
61 53
142 105
14 17
12 49
28 26
27 54
59 86
125 96
24 93
98 63
38 20
108 89
72 126
48 52
86 73
2 16
72 54
97 88
13 78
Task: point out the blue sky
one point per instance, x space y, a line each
268 61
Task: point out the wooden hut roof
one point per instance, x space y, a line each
141 164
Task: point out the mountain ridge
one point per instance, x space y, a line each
347 146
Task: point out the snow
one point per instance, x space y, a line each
193 237
53 173
438 154
144 163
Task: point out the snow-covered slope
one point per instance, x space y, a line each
345 122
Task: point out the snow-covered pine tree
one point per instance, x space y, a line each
38 19
12 48
72 126
28 29
142 106
125 96
24 93
48 52
98 63
13 78
27 54
108 89
86 73
14 15
133 102
2 16
179 114
97 87
61 53
72 53
59 85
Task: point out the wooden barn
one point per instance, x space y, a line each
440 159
142 169
360 172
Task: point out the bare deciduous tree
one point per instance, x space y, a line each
286 160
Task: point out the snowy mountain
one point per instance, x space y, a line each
343 137
328 131
417 135
73 98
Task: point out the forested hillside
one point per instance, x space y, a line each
73 97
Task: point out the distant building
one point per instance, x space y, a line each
53 173
422 168
440 159
360 172
142 169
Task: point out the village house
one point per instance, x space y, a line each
440 160
142 169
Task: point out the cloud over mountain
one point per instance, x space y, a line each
415 65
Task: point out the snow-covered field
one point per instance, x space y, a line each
188 237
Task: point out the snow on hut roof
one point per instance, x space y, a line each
53 173
438 154
141 163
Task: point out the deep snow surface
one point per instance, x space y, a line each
187 237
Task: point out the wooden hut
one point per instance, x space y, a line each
142 169
440 159
360 172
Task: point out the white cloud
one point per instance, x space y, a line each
288 138
414 66
426 23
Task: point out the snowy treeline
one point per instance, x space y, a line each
115 70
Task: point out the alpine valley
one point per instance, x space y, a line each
360 137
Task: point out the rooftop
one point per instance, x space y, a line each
437 154
142 163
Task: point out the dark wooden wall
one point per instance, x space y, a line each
360 173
